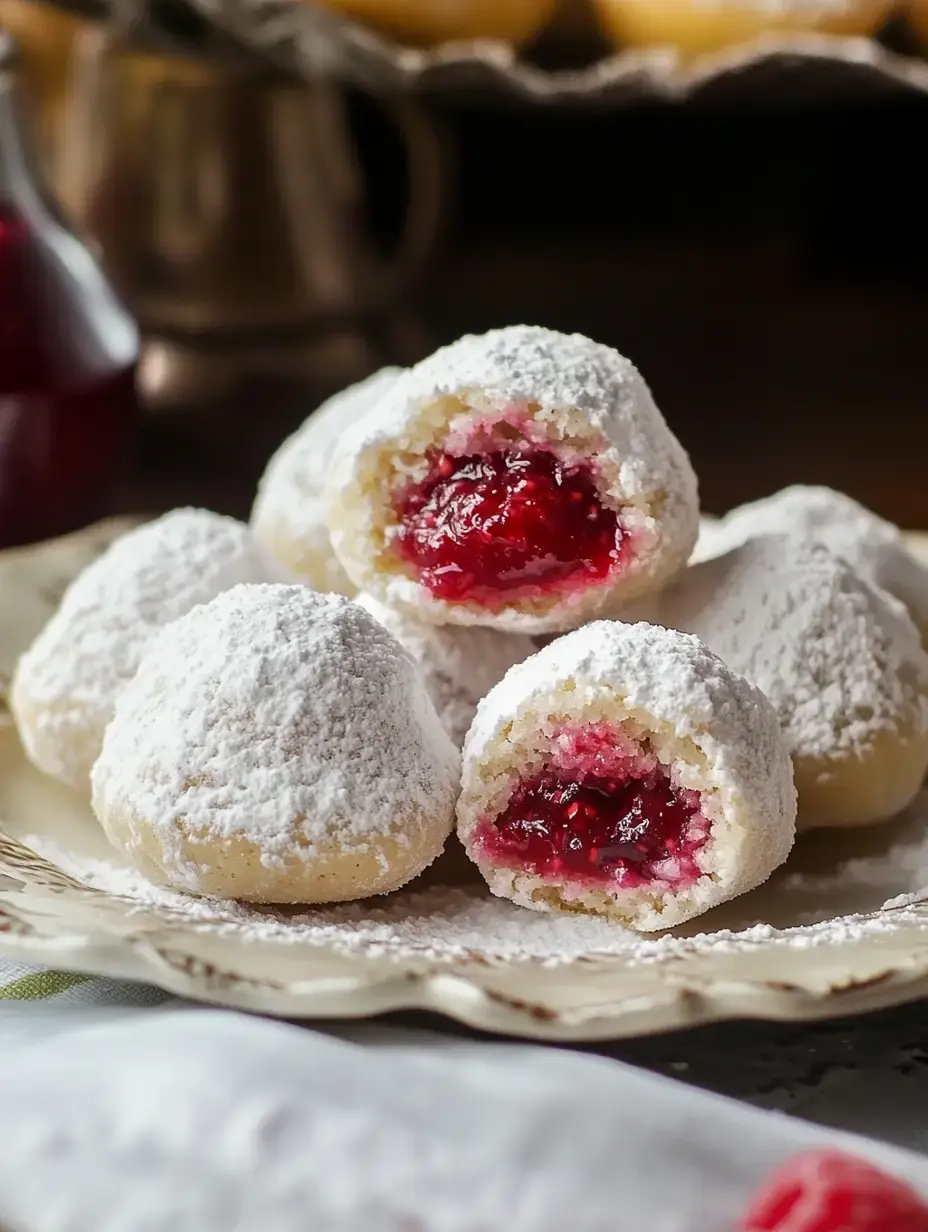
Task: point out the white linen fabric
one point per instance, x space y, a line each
196 1120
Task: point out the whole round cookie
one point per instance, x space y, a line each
522 480
277 746
289 515
699 27
874 547
459 666
839 659
67 682
624 771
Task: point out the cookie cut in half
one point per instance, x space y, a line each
522 480
626 772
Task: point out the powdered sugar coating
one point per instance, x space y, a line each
67 683
285 729
289 515
718 734
582 399
458 666
839 659
875 548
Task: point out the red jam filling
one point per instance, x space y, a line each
576 821
506 524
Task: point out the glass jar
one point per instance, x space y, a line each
68 355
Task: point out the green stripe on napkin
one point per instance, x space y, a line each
41 985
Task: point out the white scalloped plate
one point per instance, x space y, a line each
817 941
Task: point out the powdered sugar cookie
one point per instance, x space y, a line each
277 745
437 21
698 27
67 682
458 666
624 771
289 515
874 547
521 480
839 659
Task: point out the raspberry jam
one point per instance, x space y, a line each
600 814
507 524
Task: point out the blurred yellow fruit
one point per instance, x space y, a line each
438 21
44 36
696 27
918 15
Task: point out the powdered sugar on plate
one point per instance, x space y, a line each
454 923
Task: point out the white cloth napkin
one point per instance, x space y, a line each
193 1119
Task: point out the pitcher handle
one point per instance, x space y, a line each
74 167
426 163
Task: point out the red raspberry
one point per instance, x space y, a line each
827 1191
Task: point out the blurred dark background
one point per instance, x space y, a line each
767 271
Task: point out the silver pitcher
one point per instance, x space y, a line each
228 202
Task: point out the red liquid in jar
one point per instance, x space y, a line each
68 351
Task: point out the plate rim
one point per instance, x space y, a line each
676 1001
464 1001
354 989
